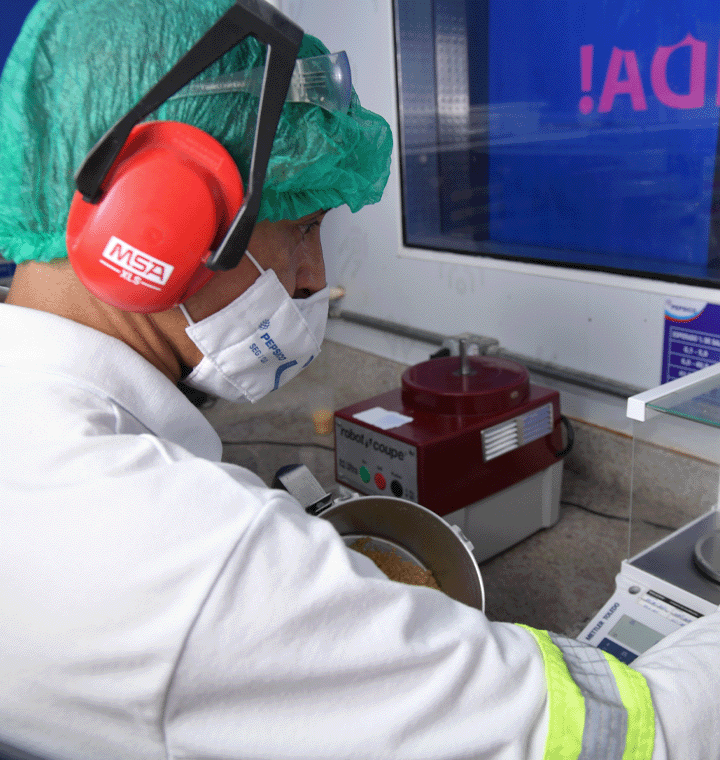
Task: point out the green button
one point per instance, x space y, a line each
364 474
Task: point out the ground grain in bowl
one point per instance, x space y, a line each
394 566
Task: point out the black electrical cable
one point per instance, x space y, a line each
594 511
570 437
308 444
615 517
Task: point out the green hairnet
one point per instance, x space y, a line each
79 65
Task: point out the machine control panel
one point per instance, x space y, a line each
373 463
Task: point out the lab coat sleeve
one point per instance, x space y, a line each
683 674
303 649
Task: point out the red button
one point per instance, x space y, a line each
380 481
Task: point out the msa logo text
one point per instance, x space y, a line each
135 265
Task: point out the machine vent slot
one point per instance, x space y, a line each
500 439
510 435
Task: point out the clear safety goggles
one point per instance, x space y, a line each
323 80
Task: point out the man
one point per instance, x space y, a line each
157 602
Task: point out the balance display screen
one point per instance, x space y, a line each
635 635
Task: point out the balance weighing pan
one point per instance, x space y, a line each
707 555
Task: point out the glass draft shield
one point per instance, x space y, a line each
246 17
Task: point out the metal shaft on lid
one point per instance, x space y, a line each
465 368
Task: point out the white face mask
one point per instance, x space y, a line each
258 342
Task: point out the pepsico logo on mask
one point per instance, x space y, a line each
273 347
264 324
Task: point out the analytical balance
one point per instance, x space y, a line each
466 436
675 580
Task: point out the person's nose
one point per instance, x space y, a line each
311 274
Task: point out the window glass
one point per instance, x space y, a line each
565 132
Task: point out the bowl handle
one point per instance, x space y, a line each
299 482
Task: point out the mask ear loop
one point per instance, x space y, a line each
184 310
187 316
263 21
252 258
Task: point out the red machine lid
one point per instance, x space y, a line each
493 386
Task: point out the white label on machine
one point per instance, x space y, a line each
384 419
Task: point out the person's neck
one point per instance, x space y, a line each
55 288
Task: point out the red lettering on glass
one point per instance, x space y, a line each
632 83
695 98
586 64
631 86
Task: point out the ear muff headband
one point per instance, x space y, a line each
95 178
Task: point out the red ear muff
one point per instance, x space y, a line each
167 202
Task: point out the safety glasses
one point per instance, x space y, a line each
321 80
246 17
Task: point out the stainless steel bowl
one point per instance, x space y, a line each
418 535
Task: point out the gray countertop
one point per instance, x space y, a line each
556 579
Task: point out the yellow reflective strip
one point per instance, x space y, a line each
635 695
566 702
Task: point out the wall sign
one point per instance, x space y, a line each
692 337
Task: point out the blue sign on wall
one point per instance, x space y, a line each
692 337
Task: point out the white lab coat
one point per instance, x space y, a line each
158 603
